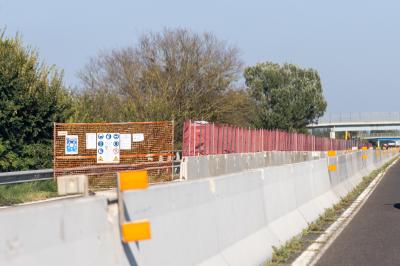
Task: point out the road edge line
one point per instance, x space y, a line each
316 250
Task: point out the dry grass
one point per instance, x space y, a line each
25 192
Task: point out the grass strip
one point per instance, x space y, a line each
24 192
286 254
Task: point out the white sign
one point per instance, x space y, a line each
108 146
126 141
62 133
71 144
137 137
91 141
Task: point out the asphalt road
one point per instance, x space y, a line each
373 236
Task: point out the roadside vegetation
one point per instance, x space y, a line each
175 74
289 251
26 192
32 98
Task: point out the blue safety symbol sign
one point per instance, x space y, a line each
71 145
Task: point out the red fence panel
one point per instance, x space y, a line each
202 138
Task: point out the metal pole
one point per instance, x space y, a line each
190 137
213 136
249 140
262 139
194 141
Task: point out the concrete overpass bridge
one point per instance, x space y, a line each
361 121
391 138
376 127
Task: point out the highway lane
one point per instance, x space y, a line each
373 236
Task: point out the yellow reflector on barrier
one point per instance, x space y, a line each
364 156
331 153
332 167
133 180
136 231
364 148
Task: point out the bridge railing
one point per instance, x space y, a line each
395 134
360 117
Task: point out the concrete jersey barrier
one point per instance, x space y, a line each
232 219
235 219
194 167
62 232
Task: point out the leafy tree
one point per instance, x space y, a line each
32 97
286 96
175 74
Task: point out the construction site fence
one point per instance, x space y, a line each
202 138
153 151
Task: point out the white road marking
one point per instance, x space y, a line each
315 251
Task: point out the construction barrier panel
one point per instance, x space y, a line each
100 150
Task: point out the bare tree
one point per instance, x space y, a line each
175 74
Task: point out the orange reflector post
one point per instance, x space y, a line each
331 153
332 167
136 231
364 148
364 156
133 180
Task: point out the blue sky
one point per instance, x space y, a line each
355 45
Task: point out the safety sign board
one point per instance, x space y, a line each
71 144
137 137
91 141
108 147
126 141
62 133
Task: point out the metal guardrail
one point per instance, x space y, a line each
25 176
47 174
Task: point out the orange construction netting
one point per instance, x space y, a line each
78 149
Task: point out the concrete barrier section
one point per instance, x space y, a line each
63 232
230 219
194 167
235 219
